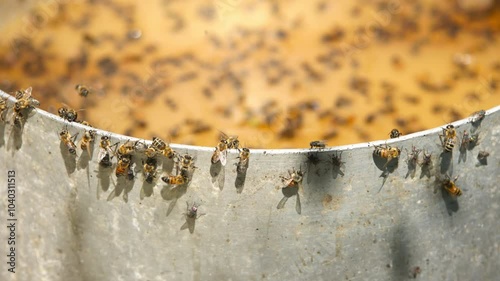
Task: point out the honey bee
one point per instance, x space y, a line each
387 152
125 149
68 114
317 144
149 169
122 169
3 108
87 138
220 153
186 163
450 186
477 116
24 103
448 138
105 152
395 133
175 180
162 147
244 157
294 179
82 90
231 141
68 140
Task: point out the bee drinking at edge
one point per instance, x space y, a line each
448 138
105 152
395 133
387 152
82 90
162 147
294 179
220 153
67 113
231 141
24 103
186 163
123 166
87 138
244 158
317 144
149 169
68 140
450 186
125 149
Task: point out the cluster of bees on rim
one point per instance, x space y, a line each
150 156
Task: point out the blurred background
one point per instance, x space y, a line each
278 74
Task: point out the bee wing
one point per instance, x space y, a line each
101 155
298 207
223 157
282 202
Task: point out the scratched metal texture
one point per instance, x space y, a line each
354 224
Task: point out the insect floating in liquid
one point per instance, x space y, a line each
448 138
449 185
68 141
220 153
82 90
244 158
87 138
317 144
387 152
395 133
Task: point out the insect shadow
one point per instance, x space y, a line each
15 141
386 167
337 165
462 156
123 184
313 164
218 175
104 179
287 193
167 165
69 159
445 164
146 189
85 157
173 194
2 133
450 201
239 182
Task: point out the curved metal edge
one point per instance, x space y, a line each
122 138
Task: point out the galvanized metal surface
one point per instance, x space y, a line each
354 224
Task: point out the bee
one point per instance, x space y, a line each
82 90
175 180
231 141
68 114
395 133
244 157
450 186
448 138
3 108
149 169
186 162
294 179
122 169
105 152
387 152
125 149
68 140
317 144
477 116
87 138
220 153
24 103
162 147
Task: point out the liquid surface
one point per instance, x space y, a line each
278 74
